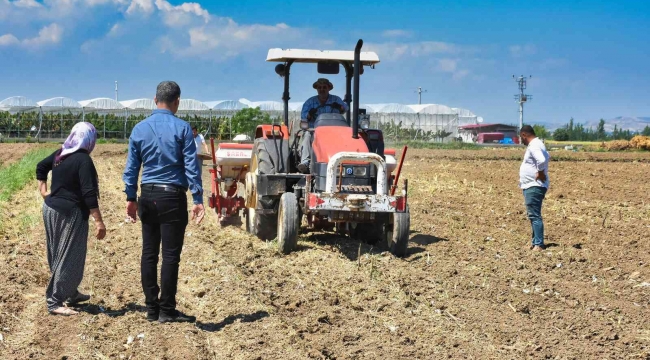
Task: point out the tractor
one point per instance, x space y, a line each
350 186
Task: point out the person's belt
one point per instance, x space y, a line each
164 187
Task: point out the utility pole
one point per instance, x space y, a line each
115 90
420 91
521 98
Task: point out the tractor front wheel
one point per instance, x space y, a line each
288 223
397 232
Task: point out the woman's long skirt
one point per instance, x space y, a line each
67 241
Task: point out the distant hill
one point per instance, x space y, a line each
634 123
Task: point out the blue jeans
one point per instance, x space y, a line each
533 197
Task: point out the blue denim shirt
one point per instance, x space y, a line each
313 103
164 146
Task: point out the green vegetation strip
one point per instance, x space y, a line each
15 176
456 145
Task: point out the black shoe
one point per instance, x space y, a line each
177 317
78 298
153 315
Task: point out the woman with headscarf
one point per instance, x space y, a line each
73 198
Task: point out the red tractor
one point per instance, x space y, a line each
350 187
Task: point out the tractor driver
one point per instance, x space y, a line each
322 103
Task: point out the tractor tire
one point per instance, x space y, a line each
397 233
262 225
265 166
288 223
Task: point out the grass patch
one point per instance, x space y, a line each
15 176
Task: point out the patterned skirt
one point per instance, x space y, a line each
67 241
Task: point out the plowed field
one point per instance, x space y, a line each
468 288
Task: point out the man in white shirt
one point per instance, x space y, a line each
198 140
533 180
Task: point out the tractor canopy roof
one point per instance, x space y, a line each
315 56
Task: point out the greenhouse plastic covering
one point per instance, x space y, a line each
226 105
432 109
101 104
192 105
59 103
139 104
426 116
392 108
17 103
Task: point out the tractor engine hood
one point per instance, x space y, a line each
330 140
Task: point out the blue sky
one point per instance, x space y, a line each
588 59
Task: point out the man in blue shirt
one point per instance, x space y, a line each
322 103
164 146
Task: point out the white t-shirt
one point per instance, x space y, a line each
535 159
199 140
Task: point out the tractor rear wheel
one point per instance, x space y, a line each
288 223
261 225
397 232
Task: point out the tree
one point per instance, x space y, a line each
646 131
561 134
541 132
600 131
245 121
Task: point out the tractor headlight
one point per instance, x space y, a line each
360 171
304 125
364 124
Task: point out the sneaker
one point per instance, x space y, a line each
538 248
177 317
79 297
303 168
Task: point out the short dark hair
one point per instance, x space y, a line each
167 92
194 128
528 130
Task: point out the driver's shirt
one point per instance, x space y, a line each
313 103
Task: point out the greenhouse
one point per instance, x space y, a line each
23 118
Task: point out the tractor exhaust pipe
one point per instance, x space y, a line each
355 108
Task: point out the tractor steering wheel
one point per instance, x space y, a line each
322 106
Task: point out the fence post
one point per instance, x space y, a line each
40 124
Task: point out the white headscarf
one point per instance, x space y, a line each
82 136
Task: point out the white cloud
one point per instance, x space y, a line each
447 65
230 37
181 15
184 29
50 34
116 30
451 66
144 6
26 4
522 50
394 33
8 39
392 51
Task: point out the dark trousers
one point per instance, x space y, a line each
164 218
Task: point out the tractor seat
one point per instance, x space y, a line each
330 119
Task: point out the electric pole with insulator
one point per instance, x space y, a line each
420 91
521 98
